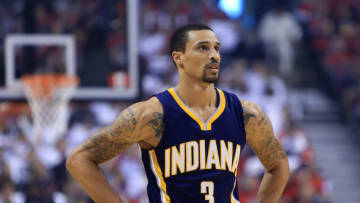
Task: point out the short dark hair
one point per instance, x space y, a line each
180 36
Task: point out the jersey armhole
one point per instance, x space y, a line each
149 146
159 98
240 115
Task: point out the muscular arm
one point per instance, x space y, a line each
141 122
260 137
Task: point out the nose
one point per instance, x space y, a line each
215 56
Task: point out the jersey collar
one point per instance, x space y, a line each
203 125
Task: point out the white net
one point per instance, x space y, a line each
48 97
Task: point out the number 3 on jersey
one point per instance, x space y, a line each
207 188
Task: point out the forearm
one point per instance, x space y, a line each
273 183
92 180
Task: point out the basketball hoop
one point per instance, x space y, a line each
48 96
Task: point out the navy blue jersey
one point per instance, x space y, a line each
196 161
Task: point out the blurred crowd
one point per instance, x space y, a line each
258 59
333 29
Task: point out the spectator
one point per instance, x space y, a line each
279 31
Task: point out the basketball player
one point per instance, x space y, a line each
190 135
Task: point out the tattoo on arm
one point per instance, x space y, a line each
261 138
269 148
155 123
109 141
247 116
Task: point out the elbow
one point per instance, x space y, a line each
286 168
74 161
282 167
77 160
71 162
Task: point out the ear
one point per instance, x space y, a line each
177 57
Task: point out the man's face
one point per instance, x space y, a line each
201 58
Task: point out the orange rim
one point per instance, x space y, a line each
44 85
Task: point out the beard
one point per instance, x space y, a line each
209 77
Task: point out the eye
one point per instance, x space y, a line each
217 48
203 48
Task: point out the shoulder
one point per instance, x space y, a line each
248 108
150 125
146 111
150 106
251 108
253 115
146 107
140 114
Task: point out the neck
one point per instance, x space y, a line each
196 95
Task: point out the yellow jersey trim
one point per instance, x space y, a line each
161 183
219 111
186 109
232 197
203 125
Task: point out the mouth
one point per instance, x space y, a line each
213 66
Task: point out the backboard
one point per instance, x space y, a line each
97 80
